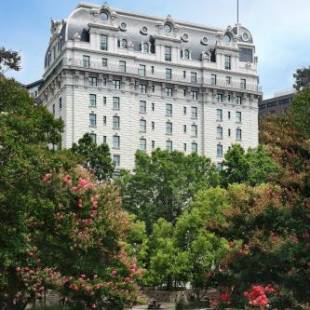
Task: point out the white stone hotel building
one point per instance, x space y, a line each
141 82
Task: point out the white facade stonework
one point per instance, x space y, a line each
104 65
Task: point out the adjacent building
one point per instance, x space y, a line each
276 105
141 82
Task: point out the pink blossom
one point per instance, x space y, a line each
47 177
67 179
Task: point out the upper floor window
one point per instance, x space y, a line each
169 128
213 79
116 142
219 151
238 117
169 145
116 122
168 53
194 147
116 103
145 47
169 91
194 113
184 74
142 144
220 97
243 83
54 110
60 103
142 88
184 110
194 94
92 100
168 74
86 61
194 131
153 106
228 80
186 54
219 132
142 107
227 64
141 70
104 62
104 42
142 125
124 43
238 134
92 120
117 84
238 100
168 110
152 69
122 66
219 115
194 77
93 81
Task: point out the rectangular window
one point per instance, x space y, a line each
143 88
104 120
213 79
185 147
153 106
104 42
168 109
141 70
229 98
229 115
104 100
152 69
194 147
60 103
142 125
219 151
184 92
184 110
227 62
122 66
169 91
238 100
117 84
153 88
169 146
194 94
92 120
142 106
168 74
116 103
169 128
194 77
86 61
116 122
153 144
194 113
194 131
238 117
184 128
105 139
93 82
243 83
228 80
116 142
219 133
220 97
229 132
219 115
142 144
184 74
104 62
238 134
168 53
92 100
116 160
93 137
153 125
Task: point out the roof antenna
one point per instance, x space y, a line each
237 12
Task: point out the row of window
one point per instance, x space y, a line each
219 116
219 133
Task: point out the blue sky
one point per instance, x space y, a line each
281 30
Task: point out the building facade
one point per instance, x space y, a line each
276 105
139 82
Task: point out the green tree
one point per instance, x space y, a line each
96 158
9 60
253 167
300 110
302 78
163 184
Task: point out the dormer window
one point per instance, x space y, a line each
187 54
168 28
145 48
227 38
104 16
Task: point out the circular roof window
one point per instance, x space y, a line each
245 36
204 41
123 26
104 16
144 30
168 28
185 37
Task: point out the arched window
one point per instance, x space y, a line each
145 47
187 54
104 15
